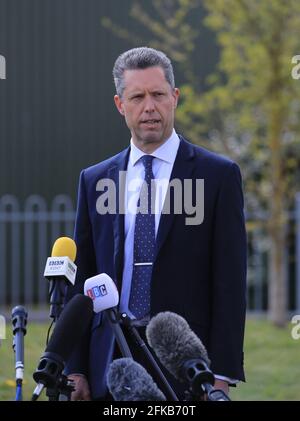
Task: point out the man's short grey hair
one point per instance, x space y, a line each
141 58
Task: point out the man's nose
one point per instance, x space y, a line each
149 106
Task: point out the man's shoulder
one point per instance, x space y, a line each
101 168
208 157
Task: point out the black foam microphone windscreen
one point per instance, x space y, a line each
19 319
69 330
174 342
71 325
129 381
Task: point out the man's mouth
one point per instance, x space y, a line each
150 121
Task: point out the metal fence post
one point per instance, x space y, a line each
9 252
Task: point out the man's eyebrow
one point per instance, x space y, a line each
134 93
141 92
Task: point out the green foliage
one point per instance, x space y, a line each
252 84
257 103
168 28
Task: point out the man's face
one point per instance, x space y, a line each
148 104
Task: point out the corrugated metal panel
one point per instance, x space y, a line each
56 106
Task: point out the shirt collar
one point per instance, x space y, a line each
166 152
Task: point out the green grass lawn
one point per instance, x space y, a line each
35 341
272 363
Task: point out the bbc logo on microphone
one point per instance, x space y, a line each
97 291
2 327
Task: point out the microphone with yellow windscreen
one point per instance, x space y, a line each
64 246
60 270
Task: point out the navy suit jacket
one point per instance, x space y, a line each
199 271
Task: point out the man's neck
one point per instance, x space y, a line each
149 147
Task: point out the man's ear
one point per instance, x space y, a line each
119 104
176 94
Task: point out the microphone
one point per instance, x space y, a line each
183 354
129 381
68 331
169 392
19 322
59 270
103 292
105 296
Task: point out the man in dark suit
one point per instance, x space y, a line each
186 255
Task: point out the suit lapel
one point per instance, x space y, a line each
182 169
118 217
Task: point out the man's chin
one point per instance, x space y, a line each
153 137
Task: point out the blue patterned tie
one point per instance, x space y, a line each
144 245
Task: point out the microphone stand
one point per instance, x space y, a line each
201 380
49 374
170 395
19 321
113 318
212 394
215 394
57 294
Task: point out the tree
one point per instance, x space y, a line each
249 107
261 99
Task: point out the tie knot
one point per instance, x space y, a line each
147 161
